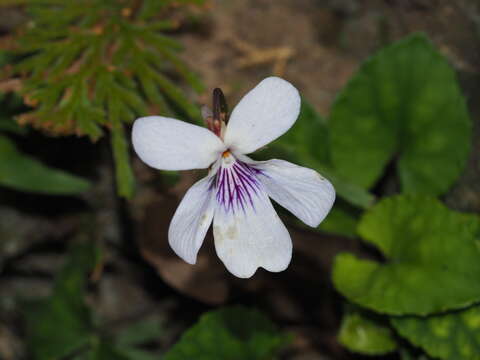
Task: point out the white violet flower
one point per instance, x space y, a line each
235 194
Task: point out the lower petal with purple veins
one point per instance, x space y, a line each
253 238
248 232
236 185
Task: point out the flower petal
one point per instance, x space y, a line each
171 144
192 220
302 191
251 238
265 113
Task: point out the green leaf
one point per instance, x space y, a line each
307 144
7 124
431 258
406 354
308 137
11 104
404 104
21 172
344 188
340 221
230 333
453 336
61 324
363 335
6 57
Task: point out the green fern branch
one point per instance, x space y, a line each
95 64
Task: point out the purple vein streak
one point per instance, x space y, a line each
236 186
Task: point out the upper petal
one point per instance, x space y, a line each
192 220
302 191
265 113
248 232
171 144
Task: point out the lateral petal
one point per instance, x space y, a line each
170 144
302 191
192 220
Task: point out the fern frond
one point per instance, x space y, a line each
88 65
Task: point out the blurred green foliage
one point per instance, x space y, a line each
22 172
63 326
129 340
364 335
455 335
406 354
230 333
92 64
60 325
10 105
340 221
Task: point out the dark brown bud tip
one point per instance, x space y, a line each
220 108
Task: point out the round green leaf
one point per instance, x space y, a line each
432 259
230 333
454 336
403 104
365 336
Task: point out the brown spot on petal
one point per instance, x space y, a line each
232 232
